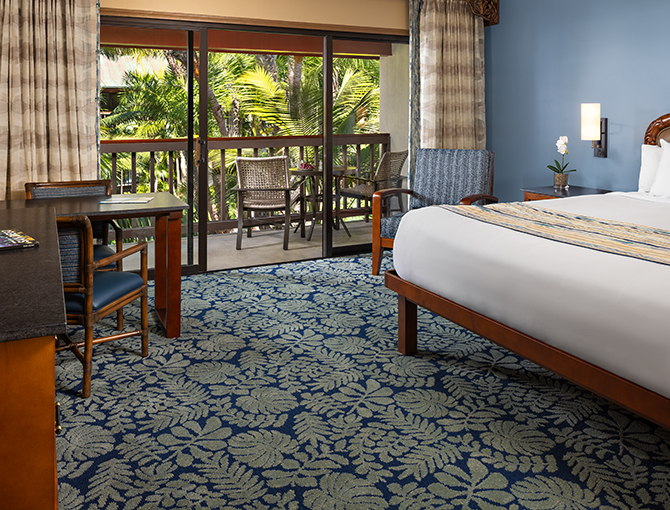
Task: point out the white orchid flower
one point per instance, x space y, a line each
562 147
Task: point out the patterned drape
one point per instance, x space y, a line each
447 76
48 92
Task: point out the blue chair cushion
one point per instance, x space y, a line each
108 286
100 251
389 225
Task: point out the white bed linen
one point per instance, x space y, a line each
610 310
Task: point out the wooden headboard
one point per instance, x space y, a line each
657 130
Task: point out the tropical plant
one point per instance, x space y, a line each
247 96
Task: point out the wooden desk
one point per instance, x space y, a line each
549 192
168 211
32 313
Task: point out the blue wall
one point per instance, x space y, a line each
545 58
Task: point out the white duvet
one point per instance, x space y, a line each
610 310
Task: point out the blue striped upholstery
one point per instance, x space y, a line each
69 243
99 227
390 225
445 176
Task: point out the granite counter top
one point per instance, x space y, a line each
31 287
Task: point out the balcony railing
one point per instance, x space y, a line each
160 165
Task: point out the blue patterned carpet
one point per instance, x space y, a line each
285 391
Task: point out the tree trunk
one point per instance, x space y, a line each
235 112
294 81
177 61
269 63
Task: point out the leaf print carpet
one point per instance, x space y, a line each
286 391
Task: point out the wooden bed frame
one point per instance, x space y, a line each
627 394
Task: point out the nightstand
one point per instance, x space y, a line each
547 192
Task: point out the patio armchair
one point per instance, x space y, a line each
91 294
387 175
263 185
439 176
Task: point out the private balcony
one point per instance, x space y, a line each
160 165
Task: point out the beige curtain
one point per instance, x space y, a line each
452 109
48 90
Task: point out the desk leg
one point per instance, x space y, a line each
167 278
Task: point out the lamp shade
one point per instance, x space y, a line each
590 121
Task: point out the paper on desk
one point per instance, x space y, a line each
126 199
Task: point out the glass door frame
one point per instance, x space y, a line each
202 164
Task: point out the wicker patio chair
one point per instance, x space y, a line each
387 175
263 185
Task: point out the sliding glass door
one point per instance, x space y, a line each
223 93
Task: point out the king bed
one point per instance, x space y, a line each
594 312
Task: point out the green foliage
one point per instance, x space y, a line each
247 96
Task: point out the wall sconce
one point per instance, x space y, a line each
594 128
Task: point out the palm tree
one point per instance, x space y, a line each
276 95
280 108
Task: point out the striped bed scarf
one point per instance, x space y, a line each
628 239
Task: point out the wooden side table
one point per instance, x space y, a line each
548 192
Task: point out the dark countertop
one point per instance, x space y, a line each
570 191
32 303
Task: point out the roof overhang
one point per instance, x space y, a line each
229 41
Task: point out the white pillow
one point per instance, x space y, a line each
651 157
661 186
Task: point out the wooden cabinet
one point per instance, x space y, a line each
27 419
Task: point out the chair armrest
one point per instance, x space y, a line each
490 199
383 193
354 178
377 199
141 246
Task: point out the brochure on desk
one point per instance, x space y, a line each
11 239
126 199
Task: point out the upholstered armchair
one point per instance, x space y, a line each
439 176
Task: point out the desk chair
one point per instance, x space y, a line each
439 176
91 294
38 190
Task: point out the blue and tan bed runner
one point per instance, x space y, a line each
628 239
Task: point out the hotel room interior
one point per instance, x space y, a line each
482 367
